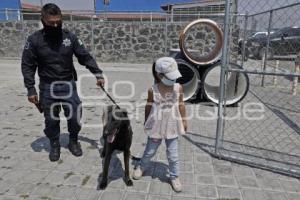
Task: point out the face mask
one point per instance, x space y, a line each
168 82
51 31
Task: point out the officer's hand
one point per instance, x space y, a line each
100 82
33 99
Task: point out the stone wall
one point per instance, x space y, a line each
113 42
131 42
12 37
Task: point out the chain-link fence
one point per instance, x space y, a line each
263 129
116 16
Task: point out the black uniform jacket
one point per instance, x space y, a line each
54 59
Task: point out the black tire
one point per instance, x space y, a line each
246 56
262 53
256 56
241 52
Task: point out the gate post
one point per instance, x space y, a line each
295 80
265 56
220 124
275 71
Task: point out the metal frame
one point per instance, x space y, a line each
218 150
220 122
214 55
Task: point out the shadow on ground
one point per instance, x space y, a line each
156 170
42 143
245 154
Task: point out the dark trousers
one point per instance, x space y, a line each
55 96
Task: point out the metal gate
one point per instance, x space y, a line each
264 129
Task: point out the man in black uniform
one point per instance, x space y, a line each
50 51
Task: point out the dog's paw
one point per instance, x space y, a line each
129 182
102 185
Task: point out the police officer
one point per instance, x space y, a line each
50 51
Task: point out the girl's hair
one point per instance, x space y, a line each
154 73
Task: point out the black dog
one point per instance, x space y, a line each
117 135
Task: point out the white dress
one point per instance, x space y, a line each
164 120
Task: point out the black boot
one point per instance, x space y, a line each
75 147
54 154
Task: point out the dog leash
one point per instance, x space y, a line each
110 97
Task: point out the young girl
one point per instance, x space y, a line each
164 118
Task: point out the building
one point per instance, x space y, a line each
132 16
258 10
195 9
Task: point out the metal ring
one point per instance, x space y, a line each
214 54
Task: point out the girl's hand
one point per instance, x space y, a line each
33 99
184 125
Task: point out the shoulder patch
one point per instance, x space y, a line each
27 45
67 42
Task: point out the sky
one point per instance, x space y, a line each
12 4
137 5
9 4
251 6
115 5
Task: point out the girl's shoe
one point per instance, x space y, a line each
176 185
137 173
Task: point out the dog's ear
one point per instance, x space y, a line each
120 114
